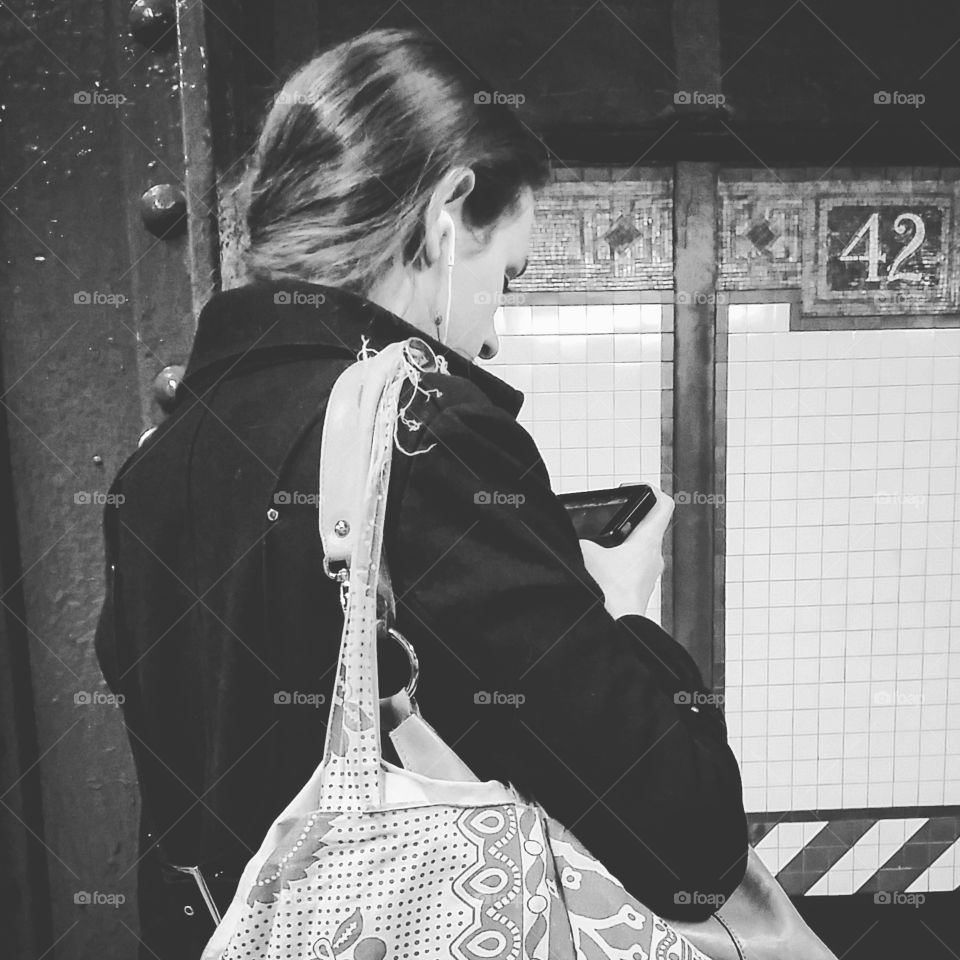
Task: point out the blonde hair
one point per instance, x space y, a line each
352 149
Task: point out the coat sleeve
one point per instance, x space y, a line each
539 685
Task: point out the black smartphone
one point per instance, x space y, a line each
607 516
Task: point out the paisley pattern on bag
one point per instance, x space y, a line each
607 922
346 716
538 886
581 912
299 849
492 886
529 891
346 936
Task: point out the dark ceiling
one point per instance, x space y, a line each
800 80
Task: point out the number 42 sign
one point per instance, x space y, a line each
874 253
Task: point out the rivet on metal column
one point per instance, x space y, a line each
153 23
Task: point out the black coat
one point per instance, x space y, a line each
217 604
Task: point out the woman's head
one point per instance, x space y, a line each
364 148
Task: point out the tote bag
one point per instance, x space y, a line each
371 860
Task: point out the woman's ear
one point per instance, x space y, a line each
449 197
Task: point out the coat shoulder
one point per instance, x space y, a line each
455 411
450 396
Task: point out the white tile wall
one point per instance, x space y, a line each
591 375
843 563
843 547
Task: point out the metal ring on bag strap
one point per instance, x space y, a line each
340 574
411 656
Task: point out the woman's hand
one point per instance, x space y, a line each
628 572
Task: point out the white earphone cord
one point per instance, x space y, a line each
446 315
450 262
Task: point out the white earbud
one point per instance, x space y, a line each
447 227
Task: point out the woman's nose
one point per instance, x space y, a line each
490 347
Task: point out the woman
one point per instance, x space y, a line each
376 169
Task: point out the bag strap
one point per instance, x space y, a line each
356 451
345 451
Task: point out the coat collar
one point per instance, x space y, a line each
266 315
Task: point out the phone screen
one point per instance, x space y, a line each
607 516
591 519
